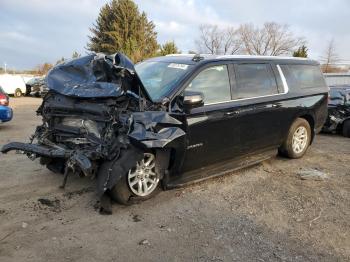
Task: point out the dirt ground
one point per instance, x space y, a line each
262 213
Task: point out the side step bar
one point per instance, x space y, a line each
219 169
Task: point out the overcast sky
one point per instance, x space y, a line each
37 31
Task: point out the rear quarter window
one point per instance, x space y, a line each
303 76
254 80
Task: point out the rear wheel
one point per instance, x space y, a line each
346 128
141 182
298 139
18 93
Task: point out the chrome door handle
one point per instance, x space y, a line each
232 113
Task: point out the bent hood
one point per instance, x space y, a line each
96 75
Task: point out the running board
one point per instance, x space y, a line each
219 169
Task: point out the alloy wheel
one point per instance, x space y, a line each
143 179
300 139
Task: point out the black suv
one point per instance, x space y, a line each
175 119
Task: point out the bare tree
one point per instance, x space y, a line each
231 41
214 40
209 39
270 39
330 57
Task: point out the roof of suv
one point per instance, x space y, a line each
193 59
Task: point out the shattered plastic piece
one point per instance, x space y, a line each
105 205
144 242
312 174
111 171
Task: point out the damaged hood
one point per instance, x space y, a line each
96 75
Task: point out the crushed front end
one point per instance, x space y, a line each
97 112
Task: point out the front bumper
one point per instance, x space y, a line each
72 158
36 149
6 114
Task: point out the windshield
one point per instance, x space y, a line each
160 77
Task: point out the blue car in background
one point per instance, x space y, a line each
5 111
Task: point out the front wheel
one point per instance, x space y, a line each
298 139
141 182
18 93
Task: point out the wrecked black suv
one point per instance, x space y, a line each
338 120
173 120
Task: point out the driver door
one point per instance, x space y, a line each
211 129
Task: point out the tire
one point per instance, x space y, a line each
18 93
126 193
298 139
346 128
28 90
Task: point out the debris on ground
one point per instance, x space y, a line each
312 174
54 205
144 242
79 192
136 218
24 225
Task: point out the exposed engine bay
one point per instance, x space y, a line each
97 113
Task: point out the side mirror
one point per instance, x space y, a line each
193 99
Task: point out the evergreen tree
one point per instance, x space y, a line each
121 27
169 48
301 52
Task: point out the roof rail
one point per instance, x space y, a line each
197 58
180 55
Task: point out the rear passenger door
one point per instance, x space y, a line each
256 95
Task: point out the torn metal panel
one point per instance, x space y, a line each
155 129
95 76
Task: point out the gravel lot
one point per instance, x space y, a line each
263 213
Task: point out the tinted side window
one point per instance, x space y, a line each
1 90
305 76
254 80
214 83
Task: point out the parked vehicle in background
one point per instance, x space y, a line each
338 120
173 120
37 87
5 111
13 84
337 79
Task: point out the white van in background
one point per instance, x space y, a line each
13 84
